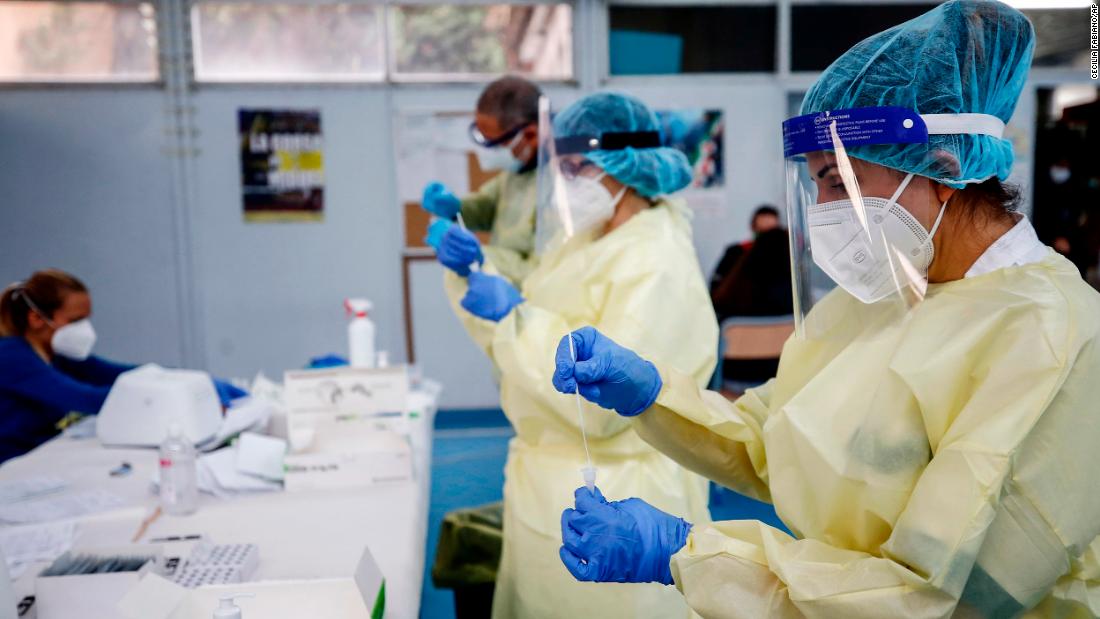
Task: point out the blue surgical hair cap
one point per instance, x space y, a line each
962 57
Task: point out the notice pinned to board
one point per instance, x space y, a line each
282 165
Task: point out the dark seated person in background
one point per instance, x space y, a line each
47 370
753 279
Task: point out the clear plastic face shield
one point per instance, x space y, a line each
572 200
857 229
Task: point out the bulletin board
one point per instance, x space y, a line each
433 145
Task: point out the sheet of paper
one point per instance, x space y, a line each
22 489
216 473
222 468
261 455
249 414
60 506
25 545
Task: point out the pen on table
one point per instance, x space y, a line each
175 538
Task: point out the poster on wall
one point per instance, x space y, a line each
282 167
699 135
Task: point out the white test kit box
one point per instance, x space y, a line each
349 454
378 395
361 595
347 427
92 596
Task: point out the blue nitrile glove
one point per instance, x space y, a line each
490 296
619 541
327 361
609 375
436 230
458 249
439 201
227 392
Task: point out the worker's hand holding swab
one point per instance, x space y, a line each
605 373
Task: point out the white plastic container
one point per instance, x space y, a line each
146 400
360 334
179 490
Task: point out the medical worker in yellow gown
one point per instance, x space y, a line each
932 437
617 253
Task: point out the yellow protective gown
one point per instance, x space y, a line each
943 465
505 206
642 285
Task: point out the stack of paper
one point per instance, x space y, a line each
23 546
59 506
246 414
217 474
22 489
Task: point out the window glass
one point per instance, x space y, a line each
77 41
648 40
470 40
287 42
1061 37
821 33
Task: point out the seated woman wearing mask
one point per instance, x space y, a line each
931 436
617 254
47 370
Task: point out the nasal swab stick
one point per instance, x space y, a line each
589 472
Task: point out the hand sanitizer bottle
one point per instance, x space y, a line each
227 607
360 334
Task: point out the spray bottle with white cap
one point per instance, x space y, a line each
227 607
360 333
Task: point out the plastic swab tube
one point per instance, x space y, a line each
589 471
474 266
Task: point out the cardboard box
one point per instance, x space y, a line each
343 457
92 596
359 596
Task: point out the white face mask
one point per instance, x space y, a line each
869 262
500 157
74 340
1059 174
590 203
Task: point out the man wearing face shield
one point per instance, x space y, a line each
47 369
931 435
616 252
505 134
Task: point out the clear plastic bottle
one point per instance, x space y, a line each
179 491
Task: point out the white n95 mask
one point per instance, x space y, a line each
74 340
499 157
872 257
590 203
